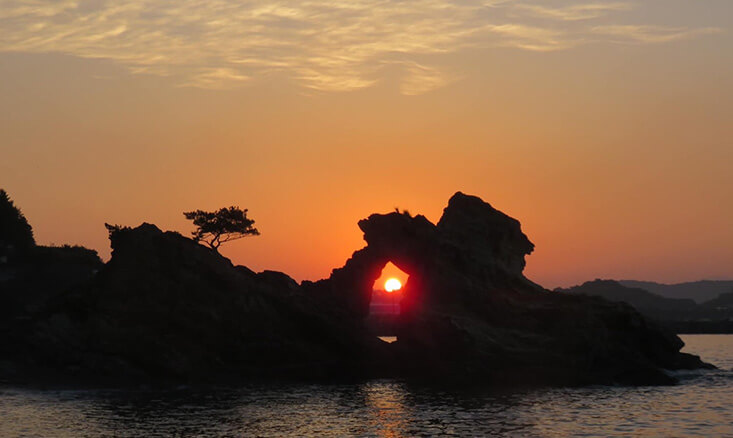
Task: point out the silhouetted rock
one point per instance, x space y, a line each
488 256
486 237
29 286
468 311
33 276
168 309
165 308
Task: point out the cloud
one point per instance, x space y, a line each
420 79
650 34
216 78
534 38
328 45
576 12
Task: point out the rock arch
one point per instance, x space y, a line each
472 250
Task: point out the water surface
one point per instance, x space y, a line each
699 406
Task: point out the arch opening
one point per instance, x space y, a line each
385 304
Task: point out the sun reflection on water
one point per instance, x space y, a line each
386 404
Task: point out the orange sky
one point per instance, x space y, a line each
604 127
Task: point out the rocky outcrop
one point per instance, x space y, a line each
165 308
41 276
469 311
473 248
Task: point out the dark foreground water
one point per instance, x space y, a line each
702 405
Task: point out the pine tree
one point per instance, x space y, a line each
16 234
223 225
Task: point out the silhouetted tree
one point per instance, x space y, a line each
16 234
224 225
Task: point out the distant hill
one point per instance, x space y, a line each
642 300
682 315
724 301
700 291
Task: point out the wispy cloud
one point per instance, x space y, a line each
216 78
330 45
420 79
540 39
576 12
650 34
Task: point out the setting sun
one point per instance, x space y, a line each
392 285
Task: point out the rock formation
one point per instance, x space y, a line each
469 311
167 309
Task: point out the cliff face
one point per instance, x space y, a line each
167 309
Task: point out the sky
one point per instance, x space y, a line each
605 127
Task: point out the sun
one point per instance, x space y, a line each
392 285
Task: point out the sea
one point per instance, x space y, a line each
700 405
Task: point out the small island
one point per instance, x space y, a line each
166 309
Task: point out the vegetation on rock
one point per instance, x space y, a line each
223 225
16 234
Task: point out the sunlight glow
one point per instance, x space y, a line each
392 285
